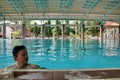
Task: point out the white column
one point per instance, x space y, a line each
101 32
62 29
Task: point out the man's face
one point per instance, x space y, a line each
22 57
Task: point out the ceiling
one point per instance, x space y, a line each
60 9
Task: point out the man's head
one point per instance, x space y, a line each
20 54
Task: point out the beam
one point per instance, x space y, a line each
18 6
91 6
41 5
112 5
113 9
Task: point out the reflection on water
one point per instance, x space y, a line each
65 53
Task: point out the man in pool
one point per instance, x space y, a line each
20 55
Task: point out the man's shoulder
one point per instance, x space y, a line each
12 67
33 66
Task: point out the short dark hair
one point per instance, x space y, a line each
16 49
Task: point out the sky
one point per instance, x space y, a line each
39 22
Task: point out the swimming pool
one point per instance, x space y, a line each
64 53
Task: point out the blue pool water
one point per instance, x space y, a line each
64 54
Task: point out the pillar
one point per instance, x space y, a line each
76 29
82 36
63 31
101 36
42 31
119 31
23 30
101 32
4 30
82 31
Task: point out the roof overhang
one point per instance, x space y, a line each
60 9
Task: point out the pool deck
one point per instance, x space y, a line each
102 74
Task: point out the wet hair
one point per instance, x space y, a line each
16 49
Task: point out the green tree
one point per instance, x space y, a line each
67 27
72 31
35 29
94 31
47 28
56 30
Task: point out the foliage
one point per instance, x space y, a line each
56 31
58 22
32 29
16 34
67 30
67 27
71 34
0 28
35 29
79 31
94 31
48 29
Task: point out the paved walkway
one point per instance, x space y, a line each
68 74
44 74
